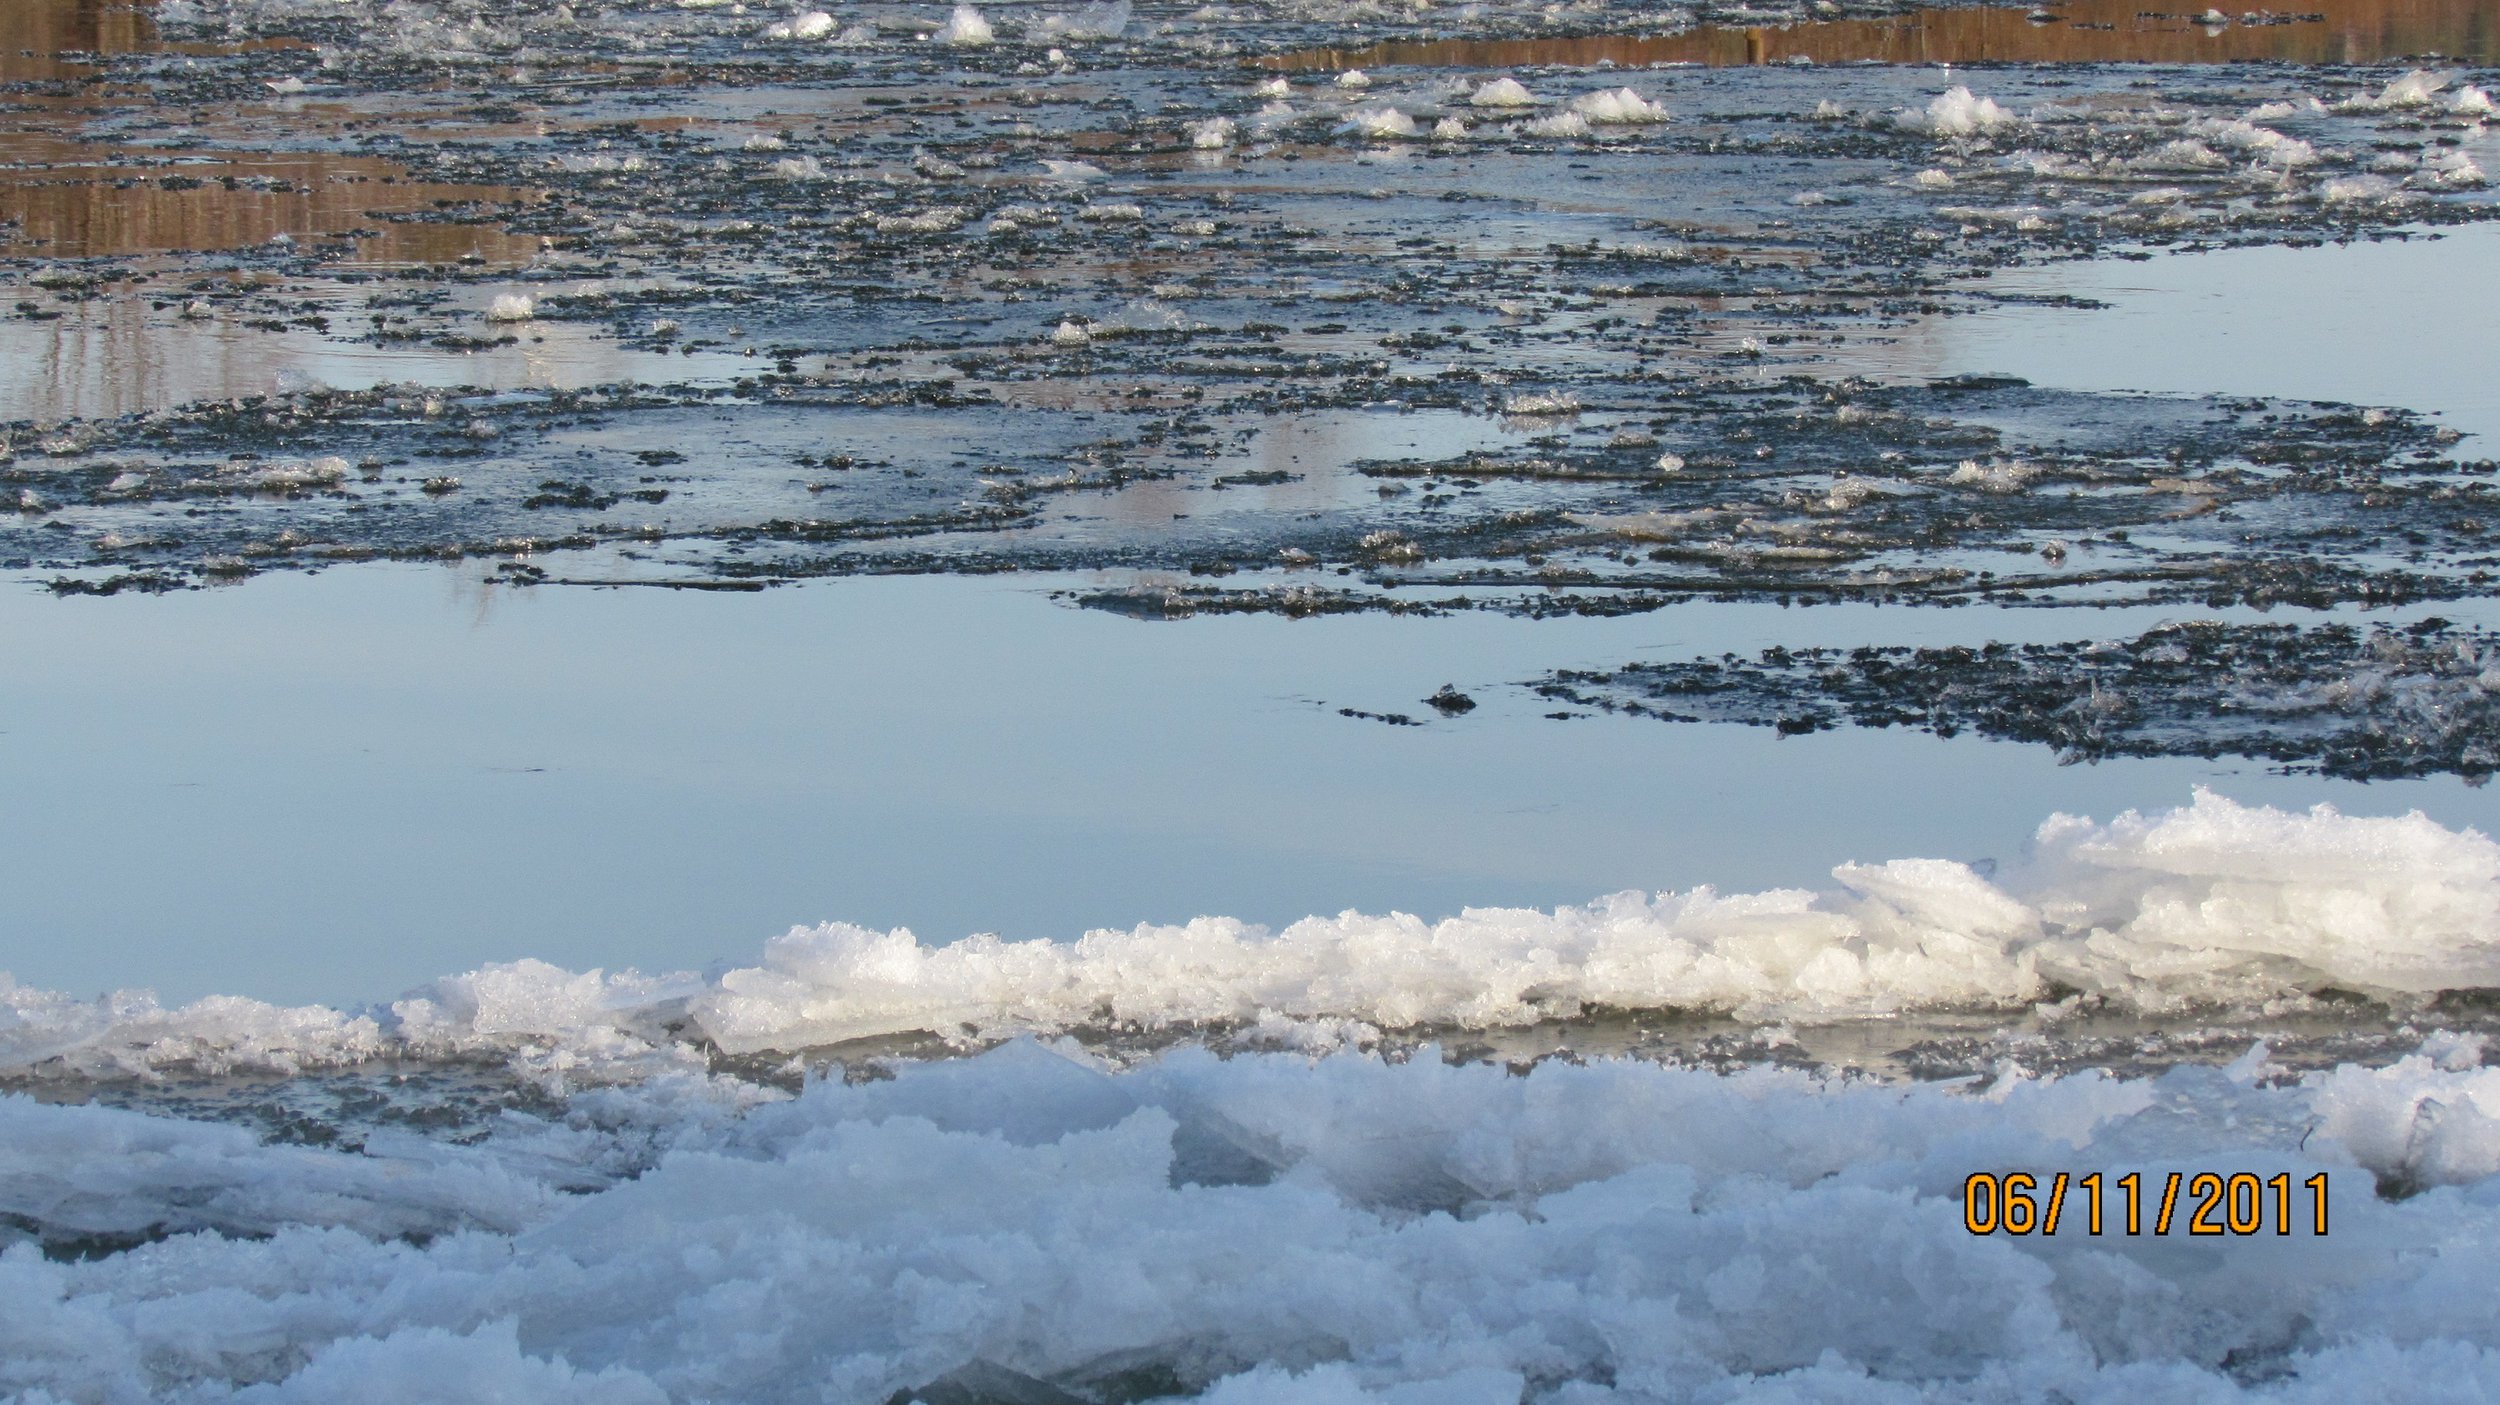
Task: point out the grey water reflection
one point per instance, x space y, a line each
2402 323
332 787
108 357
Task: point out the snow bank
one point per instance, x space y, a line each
1267 1228
2212 904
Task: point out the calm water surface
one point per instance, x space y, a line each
335 786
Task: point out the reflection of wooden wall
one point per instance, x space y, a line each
49 27
2354 31
98 210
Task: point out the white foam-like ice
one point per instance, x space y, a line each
1269 1228
966 28
1561 126
1620 106
1380 123
1956 112
1502 92
2418 88
2213 903
2264 143
1100 21
815 24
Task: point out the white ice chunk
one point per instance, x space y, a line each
1956 112
1502 92
1622 106
1561 126
1379 123
965 27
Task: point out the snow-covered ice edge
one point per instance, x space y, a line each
2211 905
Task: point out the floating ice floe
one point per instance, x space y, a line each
815 24
599 163
1996 477
2418 88
1101 21
925 222
1956 112
2295 107
2264 143
965 28
2358 190
1502 92
297 475
1621 106
1542 404
2453 168
1561 126
2185 154
1379 123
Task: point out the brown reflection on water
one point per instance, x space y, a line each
35 33
90 202
2090 31
62 195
